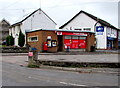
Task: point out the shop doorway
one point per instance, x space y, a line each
60 43
109 44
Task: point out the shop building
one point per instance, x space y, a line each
55 40
106 34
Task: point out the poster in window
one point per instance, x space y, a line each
49 43
54 43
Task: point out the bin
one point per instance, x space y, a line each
92 49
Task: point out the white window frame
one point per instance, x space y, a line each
29 39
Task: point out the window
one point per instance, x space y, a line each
87 29
32 38
75 37
67 37
78 29
82 37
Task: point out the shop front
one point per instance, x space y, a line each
111 43
60 40
74 40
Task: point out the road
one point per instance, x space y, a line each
15 75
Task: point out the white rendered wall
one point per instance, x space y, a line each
17 30
38 20
102 40
81 21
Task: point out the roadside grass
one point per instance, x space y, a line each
3 46
33 66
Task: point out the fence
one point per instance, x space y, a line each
14 49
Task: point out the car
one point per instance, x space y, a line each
4 42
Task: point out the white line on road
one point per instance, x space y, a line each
73 84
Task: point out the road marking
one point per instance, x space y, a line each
73 84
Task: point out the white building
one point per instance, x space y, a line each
106 34
37 19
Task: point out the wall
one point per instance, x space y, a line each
81 21
53 35
36 44
42 37
4 30
101 40
90 42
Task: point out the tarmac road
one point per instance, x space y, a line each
15 75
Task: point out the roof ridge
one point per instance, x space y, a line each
101 21
30 15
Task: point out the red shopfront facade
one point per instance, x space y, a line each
74 40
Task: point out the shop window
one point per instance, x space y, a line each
75 37
32 38
82 37
67 37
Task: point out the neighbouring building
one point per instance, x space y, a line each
119 39
37 19
106 34
4 30
54 40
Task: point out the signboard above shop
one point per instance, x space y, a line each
71 33
100 29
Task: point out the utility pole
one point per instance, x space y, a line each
23 12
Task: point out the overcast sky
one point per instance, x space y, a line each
60 10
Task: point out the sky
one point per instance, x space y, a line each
60 10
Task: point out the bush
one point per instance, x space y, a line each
21 39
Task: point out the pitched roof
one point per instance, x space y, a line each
104 23
4 21
30 15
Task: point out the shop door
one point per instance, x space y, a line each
82 42
67 41
109 44
75 42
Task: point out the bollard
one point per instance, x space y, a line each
32 56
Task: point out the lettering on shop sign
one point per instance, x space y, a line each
80 34
70 33
59 33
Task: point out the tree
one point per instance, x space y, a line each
9 40
21 39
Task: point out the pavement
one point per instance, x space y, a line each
100 56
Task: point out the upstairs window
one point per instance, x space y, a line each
87 29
